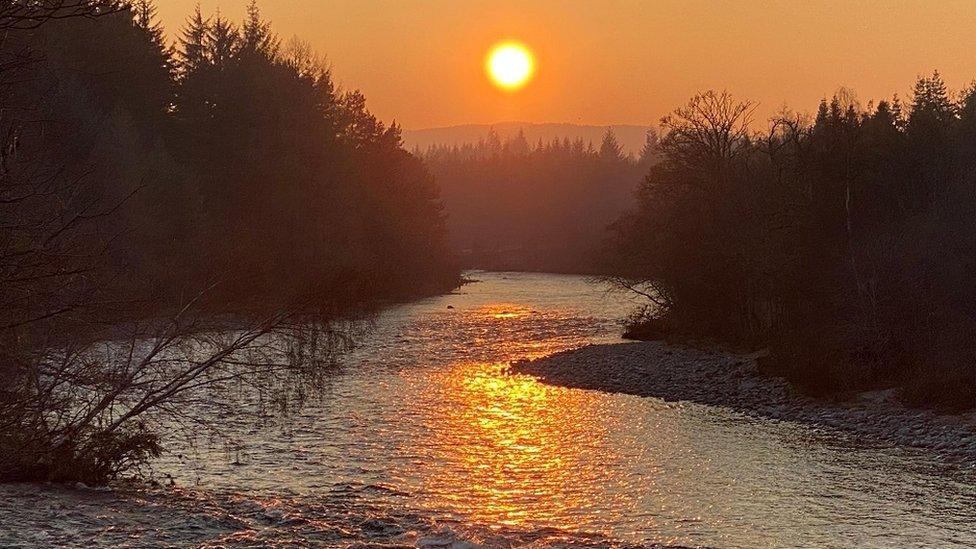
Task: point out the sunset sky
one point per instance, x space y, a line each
617 61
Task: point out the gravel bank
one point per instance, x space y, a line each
678 373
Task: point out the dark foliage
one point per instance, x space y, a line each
514 206
847 244
141 186
231 159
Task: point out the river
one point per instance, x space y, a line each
423 439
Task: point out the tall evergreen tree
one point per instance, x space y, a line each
223 42
256 35
610 149
194 37
146 18
650 151
518 145
931 103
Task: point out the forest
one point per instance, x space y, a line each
535 207
845 243
150 194
174 218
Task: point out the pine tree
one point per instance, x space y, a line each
897 112
823 114
650 151
518 145
145 17
836 111
256 35
192 52
610 149
493 144
883 114
223 42
931 102
579 148
392 138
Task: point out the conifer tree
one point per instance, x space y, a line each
898 112
610 149
518 145
256 35
649 152
145 17
192 51
223 42
931 104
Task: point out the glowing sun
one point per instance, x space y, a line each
510 65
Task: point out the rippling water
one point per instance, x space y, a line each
423 439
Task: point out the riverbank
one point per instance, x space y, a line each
717 378
421 439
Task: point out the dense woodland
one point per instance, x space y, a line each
846 243
145 189
209 211
233 158
543 207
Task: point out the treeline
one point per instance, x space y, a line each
846 244
209 213
513 205
231 160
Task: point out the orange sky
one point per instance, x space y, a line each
618 61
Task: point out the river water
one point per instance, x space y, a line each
423 439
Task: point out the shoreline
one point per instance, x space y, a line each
726 379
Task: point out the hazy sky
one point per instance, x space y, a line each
618 61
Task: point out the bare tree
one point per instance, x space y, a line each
30 14
713 127
701 140
89 411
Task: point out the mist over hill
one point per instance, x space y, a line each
631 137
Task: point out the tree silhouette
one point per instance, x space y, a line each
843 245
545 207
610 149
132 177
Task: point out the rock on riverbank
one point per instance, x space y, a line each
678 373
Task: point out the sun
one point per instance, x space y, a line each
510 65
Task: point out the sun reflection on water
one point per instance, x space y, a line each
508 451
428 441
504 311
516 447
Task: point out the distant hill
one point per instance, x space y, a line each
631 137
